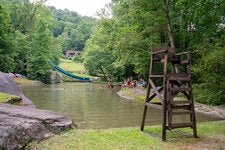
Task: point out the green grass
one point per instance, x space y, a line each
23 81
212 136
71 66
5 96
128 92
138 97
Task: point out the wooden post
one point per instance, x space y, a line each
147 96
164 104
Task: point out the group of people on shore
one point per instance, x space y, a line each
132 83
129 83
16 75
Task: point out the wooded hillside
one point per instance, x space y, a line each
32 35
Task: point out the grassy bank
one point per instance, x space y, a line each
10 99
139 94
135 95
23 81
73 67
4 97
211 136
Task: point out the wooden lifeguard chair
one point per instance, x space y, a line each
169 75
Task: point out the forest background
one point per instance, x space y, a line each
118 43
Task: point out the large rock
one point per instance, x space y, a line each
8 85
20 125
56 77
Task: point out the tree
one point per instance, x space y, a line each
135 26
168 20
211 70
129 35
42 48
98 55
73 29
33 43
7 51
201 29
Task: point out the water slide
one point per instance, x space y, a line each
69 74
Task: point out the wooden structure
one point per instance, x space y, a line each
71 53
169 75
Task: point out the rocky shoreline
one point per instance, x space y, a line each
202 108
210 110
20 125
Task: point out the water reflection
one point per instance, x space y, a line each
94 105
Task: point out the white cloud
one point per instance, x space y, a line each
83 7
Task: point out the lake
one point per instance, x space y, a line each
94 106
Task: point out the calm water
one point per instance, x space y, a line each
94 106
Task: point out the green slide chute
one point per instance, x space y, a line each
69 74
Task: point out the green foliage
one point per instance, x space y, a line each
78 58
27 44
211 71
99 62
30 36
198 27
7 51
73 29
196 22
127 37
41 54
136 26
22 47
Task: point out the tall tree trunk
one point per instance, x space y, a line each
170 33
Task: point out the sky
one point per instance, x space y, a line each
82 7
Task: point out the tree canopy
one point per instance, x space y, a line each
32 35
73 29
135 26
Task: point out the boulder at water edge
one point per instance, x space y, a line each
20 125
8 85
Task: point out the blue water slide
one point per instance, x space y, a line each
69 74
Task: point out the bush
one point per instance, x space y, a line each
78 58
212 76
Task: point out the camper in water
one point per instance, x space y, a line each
110 83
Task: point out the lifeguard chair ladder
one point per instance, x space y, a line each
174 76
